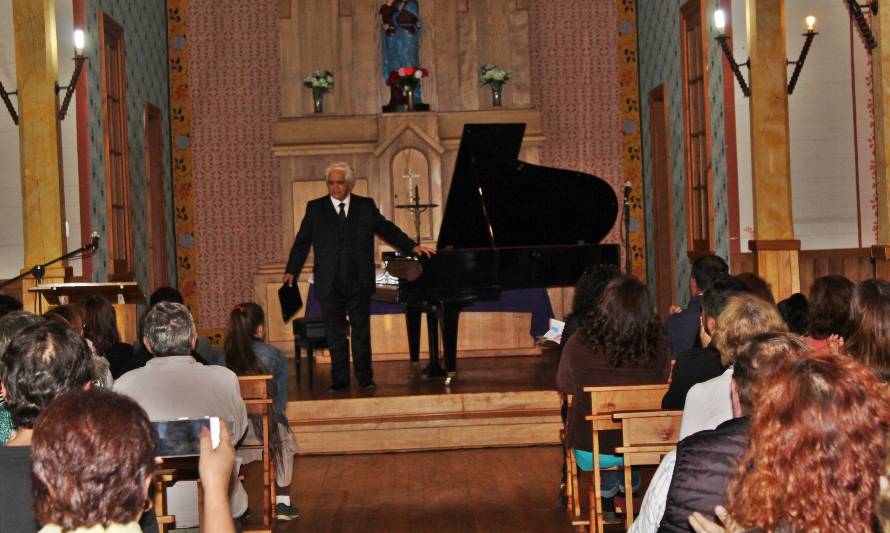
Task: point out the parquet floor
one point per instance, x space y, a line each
486 490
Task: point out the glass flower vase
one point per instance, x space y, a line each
496 89
318 100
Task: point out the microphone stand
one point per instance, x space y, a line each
38 271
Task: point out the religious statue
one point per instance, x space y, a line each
400 43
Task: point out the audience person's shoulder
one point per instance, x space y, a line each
223 374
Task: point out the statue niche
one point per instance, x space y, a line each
400 31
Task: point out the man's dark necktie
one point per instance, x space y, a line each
342 212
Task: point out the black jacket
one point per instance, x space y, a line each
693 366
705 462
320 229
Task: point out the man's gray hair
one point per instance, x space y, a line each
340 165
170 329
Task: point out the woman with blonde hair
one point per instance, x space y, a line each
708 404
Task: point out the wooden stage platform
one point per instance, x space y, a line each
492 402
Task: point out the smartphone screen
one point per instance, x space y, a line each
182 438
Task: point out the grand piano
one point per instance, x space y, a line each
507 225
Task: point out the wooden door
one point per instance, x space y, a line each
661 195
157 205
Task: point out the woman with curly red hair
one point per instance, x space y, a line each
816 450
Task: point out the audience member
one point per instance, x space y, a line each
42 361
794 310
100 327
683 325
247 354
72 316
816 450
587 292
829 312
758 286
708 404
8 304
701 364
870 315
174 385
94 460
203 352
705 461
10 326
619 342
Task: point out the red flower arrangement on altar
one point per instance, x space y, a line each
407 77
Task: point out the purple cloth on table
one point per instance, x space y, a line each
534 301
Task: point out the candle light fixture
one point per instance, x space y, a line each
79 60
722 38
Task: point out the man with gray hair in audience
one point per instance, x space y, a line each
174 385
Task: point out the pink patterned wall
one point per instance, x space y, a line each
235 91
573 48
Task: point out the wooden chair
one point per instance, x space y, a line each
570 479
163 479
256 394
647 436
604 401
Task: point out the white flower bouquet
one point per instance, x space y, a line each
320 81
493 75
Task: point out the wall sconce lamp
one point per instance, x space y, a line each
722 38
720 24
858 17
79 60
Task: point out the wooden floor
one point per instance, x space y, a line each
506 489
401 378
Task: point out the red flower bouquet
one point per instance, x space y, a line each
407 77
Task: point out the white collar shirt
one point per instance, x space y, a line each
337 204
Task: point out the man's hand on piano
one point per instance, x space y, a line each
288 278
423 250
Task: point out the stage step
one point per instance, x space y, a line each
425 422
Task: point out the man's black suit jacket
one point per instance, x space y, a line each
320 229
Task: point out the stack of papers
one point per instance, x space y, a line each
554 334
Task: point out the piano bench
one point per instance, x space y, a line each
309 333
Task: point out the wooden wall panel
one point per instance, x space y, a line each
855 264
445 67
344 36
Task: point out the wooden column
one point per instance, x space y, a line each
775 249
37 69
880 57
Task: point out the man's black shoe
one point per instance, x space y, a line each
369 386
337 388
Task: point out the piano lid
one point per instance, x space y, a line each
496 200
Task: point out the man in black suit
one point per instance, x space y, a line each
340 228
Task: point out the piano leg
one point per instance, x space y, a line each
450 317
434 369
412 319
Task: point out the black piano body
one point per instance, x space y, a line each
507 225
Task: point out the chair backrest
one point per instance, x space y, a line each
649 428
612 398
255 387
608 399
